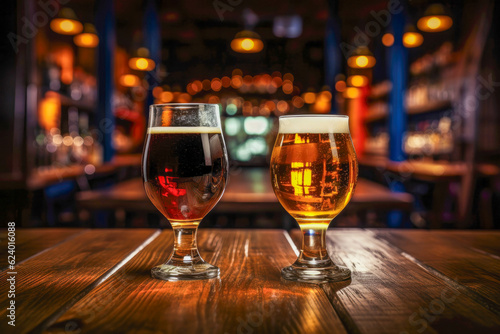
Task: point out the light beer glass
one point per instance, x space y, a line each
313 172
184 169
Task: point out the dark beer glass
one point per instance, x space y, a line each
184 169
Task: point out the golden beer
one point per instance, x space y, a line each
313 172
314 175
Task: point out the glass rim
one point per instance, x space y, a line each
178 104
314 115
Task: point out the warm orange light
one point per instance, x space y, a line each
141 64
247 42
357 80
247 108
288 76
266 79
247 45
325 96
86 40
64 57
270 105
247 79
361 61
256 80
166 116
282 106
340 86
130 80
435 19
213 99
197 86
157 92
297 102
287 88
321 106
226 82
435 23
189 89
216 84
412 39
236 82
66 26
264 111
167 97
388 39
352 92
276 82
49 111
184 98
309 97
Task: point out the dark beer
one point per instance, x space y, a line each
184 171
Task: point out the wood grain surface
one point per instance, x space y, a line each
33 241
454 256
249 297
55 279
391 293
98 281
478 241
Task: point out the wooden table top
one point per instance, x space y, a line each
403 281
426 170
43 178
249 186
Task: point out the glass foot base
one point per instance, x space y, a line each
316 275
168 272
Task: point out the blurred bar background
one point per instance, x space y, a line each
418 79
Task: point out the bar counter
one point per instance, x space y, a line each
95 281
247 190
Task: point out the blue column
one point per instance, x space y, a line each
398 68
332 52
105 23
152 41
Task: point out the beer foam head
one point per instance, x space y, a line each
183 129
314 124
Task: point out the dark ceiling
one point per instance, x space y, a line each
195 41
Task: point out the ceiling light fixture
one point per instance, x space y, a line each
66 23
435 19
